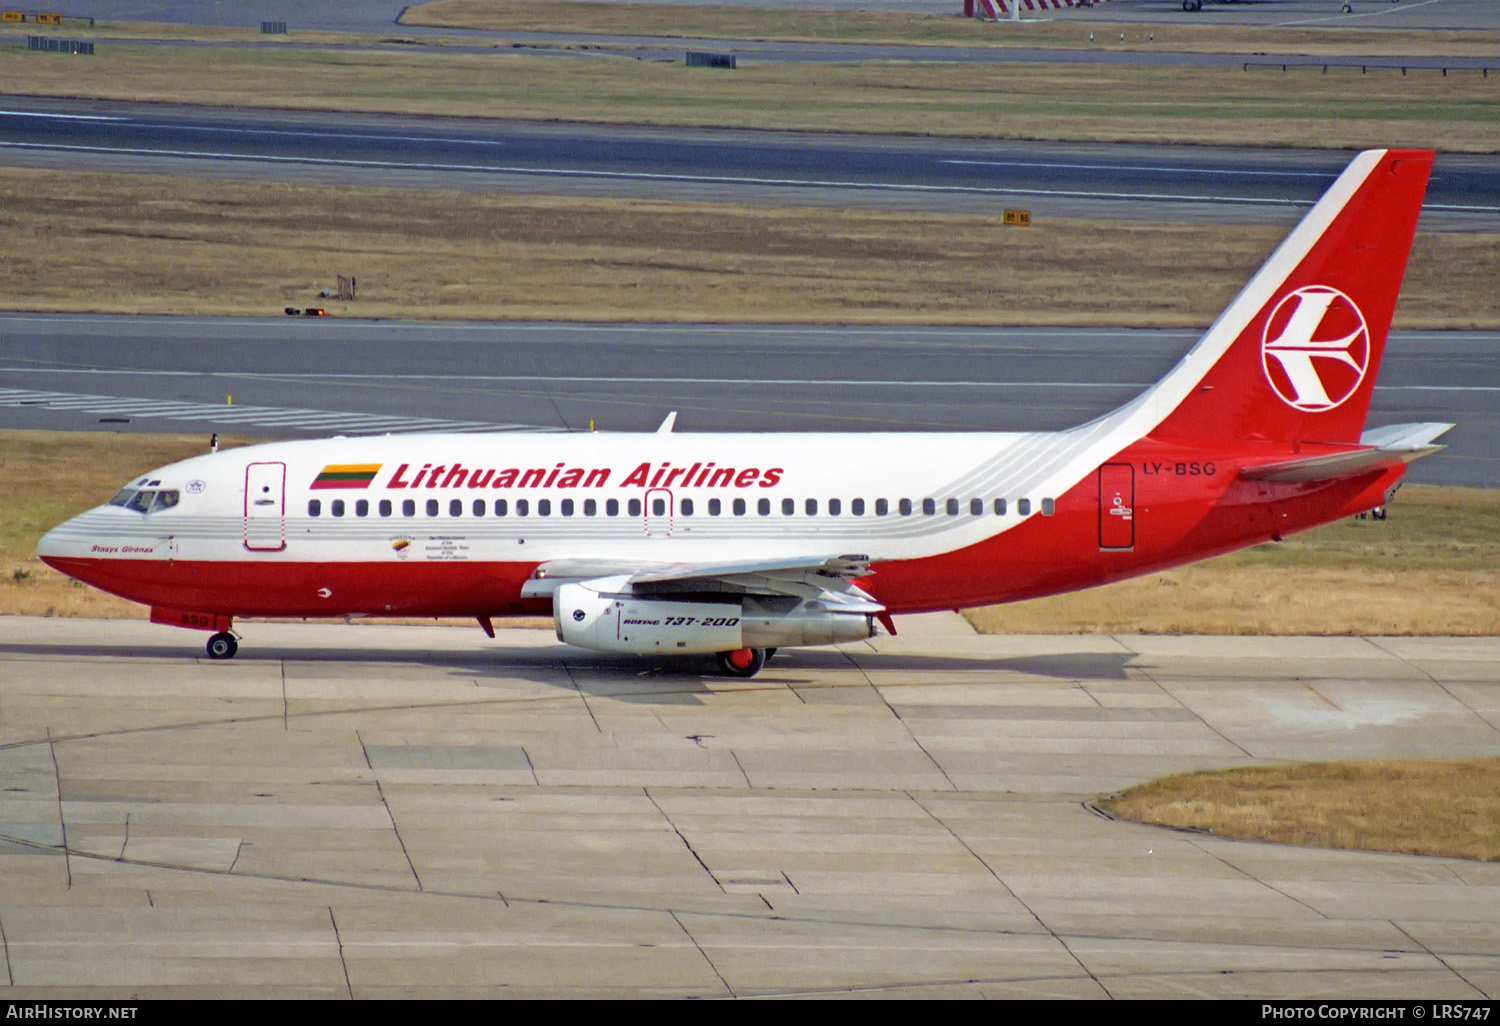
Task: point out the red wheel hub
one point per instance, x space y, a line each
740 658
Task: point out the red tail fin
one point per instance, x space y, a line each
1294 357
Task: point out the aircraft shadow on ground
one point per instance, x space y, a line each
639 679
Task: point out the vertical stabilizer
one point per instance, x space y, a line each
1294 357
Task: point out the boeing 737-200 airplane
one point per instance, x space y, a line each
738 544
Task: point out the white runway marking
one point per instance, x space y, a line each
1142 167
59 117
262 416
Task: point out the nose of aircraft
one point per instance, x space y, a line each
51 546
58 544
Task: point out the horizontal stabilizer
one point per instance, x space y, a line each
1397 436
1380 447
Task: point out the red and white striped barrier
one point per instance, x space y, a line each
995 9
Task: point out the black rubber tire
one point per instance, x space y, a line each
757 660
222 646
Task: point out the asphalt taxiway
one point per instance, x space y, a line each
294 377
364 811
1235 184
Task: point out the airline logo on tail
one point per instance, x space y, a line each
1316 348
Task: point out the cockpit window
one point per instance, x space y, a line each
143 501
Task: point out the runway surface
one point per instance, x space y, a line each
1129 180
298 378
360 811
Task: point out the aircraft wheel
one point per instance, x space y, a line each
222 646
741 662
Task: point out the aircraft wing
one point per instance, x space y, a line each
805 577
1405 442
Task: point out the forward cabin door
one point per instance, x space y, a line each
1116 507
265 507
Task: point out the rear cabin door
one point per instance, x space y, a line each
1116 507
265 507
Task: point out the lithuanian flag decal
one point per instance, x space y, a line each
346 475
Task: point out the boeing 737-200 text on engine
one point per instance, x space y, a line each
739 544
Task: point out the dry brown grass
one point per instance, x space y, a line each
1433 567
1413 807
750 22
1008 100
154 244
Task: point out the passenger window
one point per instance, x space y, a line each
685 507
904 506
1023 506
857 507
929 506
612 508
455 507
713 507
739 507
337 507
811 507
590 507
409 507
999 507
882 507
362 508
1048 507
432 507
522 507
788 507
658 507
833 507
763 507
634 507
976 507
478 507
953 507
566 507
501 507
385 507
544 507
314 508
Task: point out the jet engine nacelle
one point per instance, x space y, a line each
593 615
624 623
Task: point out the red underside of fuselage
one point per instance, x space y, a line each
1175 523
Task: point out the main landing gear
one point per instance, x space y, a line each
222 646
743 662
